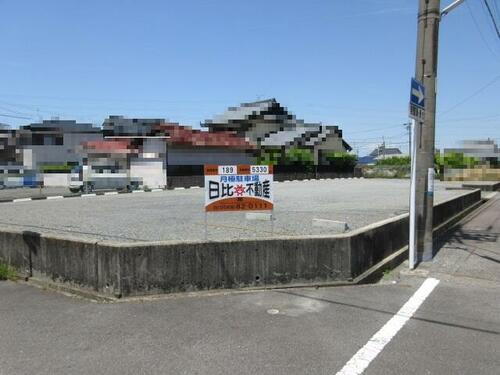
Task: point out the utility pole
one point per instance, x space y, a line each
423 138
429 15
423 146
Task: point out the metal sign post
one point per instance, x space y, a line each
417 114
412 259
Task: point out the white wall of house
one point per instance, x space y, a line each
28 161
56 179
150 171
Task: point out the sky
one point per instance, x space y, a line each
347 63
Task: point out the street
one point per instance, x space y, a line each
289 331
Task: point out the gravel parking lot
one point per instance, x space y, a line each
179 214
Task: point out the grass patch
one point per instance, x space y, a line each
7 272
386 274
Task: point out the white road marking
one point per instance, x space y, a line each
194 187
21 200
111 193
55 197
138 191
155 190
88 195
179 188
361 360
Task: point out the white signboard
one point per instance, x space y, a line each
238 188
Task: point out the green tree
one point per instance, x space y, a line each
341 161
301 156
395 160
456 160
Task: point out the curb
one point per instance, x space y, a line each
81 195
101 193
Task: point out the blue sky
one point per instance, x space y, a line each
335 61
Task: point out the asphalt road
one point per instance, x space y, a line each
295 331
179 214
455 330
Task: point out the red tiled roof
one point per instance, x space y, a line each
122 147
185 135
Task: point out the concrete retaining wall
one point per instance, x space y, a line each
145 268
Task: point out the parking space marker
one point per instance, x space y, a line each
179 188
155 190
361 360
194 187
138 191
21 200
88 195
55 197
111 193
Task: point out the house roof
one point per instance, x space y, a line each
185 135
385 151
115 147
242 112
292 130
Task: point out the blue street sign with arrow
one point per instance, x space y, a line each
417 95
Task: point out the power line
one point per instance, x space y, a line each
495 7
479 31
494 80
492 18
19 117
373 130
14 111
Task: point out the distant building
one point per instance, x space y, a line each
269 126
187 146
483 150
122 126
8 147
182 145
54 142
383 152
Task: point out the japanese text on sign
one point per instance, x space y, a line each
249 188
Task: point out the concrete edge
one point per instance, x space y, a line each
69 290
392 260
398 257
369 276
443 228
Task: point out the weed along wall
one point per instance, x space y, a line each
117 269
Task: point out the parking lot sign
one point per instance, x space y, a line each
238 188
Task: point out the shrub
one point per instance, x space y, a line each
341 161
301 156
7 272
456 160
395 160
56 168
